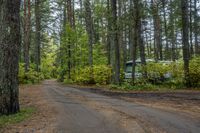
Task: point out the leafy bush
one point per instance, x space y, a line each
156 71
83 76
138 87
100 74
29 77
195 72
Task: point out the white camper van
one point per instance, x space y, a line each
138 72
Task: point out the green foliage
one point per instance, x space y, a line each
48 65
84 76
99 74
177 73
29 77
138 87
195 72
16 118
102 74
157 70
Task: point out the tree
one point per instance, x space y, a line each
185 40
9 56
197 47
37 34
27 33
115 42
157 30
90 30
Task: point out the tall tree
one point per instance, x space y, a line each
115 42
90 29
71 24
37 34
27 32
172 32
9 55
197 47
108 32
185 39
157 30
140 41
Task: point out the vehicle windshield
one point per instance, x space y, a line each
129 67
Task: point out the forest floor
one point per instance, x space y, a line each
67 109
43 118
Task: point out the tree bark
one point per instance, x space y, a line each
115 41
27 33
185 39
197 45
157 31
90 29
37 34
9 56
108 32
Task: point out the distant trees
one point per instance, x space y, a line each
9 56
108 32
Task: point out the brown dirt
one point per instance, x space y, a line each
42 120
186 101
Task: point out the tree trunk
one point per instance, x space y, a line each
197 46
136 36
90 29
191 30
72 26
27 33
185 39
37 34
172 32
166 30
108 33
115 41
9 56
157 31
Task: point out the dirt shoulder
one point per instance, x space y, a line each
43 118
186 101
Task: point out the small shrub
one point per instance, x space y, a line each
102 74
137 87
29 77
195 72
99 74
156 71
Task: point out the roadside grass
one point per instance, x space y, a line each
24 114
126 86
167 86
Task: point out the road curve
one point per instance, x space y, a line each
85 112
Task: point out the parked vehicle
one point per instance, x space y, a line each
138 70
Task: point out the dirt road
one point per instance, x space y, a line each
81 111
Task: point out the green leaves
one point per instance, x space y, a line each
99 74
195 72
29 77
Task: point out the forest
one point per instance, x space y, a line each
92 41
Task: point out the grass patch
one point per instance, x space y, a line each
167 86
25 113
128 87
